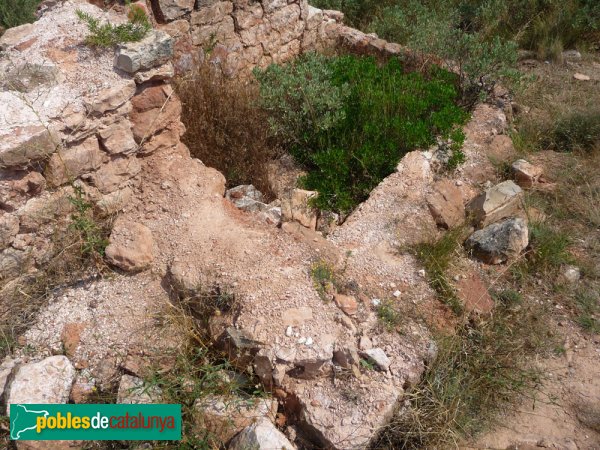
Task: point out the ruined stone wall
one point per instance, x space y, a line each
77 118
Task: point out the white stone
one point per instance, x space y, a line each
261 435
46 381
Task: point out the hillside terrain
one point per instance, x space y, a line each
345 225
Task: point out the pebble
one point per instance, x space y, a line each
309 341
397 294
289 332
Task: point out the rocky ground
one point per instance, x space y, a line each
317 343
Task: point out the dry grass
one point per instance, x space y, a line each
479 372
77 254
225 128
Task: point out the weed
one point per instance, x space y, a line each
199 372
109 35
508 297
323 275
436 258
366 364
225 128
17 12
352 121
549 248
478 372
388 315
93 237
77 255
588 309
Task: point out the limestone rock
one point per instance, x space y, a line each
16 35
70 163
25 144
346 357
446 204
184 279
27 77
115 173
16 187
212 13
300 209
525 173
161 73
133 391
346 303
152 51
14 262
118 138
9 228
247 198
497 203
581 77
70 337
114 202
111 98
261 435
378 357
46 381
239 346
173 9
130 246
499 242
226 417
41 210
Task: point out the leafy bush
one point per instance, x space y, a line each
225 129
349 121
108 35
17 12
545 26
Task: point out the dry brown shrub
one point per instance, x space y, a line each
225 127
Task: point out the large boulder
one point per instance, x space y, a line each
130 246
496 203
46 381
152 51
499 242
261 435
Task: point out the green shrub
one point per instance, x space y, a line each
108 35
17 12
349 121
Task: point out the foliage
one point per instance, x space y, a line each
93 239
549 247
351 123
17 12
108 35
388 315
323 275
225 128
477 373
545 26
436 258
